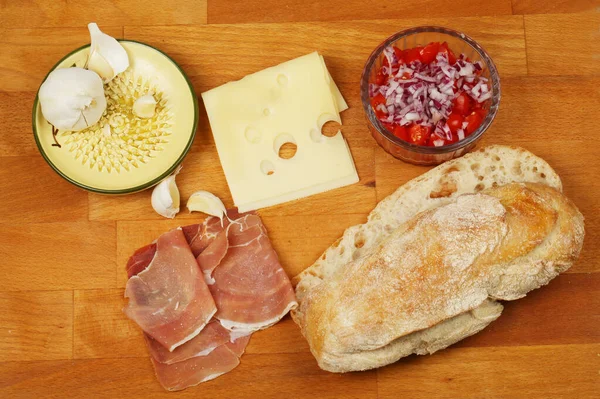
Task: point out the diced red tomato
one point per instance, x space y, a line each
429 52
375 102
432 138
389 126
418 134
401 132
455 121
380 78
414 54
378 99
474 121
462 104
445 49
399 54
477 106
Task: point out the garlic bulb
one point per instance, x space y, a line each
107 57
165 197
72 98
144 106
205 202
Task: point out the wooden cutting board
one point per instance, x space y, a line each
63 251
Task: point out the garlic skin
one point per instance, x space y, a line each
205 202
107 57
72 98
165 197
144 106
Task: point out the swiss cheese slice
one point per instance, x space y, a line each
251 119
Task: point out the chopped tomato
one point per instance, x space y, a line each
389 126
429 52
399 54
432 138
375 103
414 54
462 104
474 121
378 99
418 134
401 132
445 49
455 121
380 78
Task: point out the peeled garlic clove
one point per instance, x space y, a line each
72 98
165 197
107 57
205 202
145 106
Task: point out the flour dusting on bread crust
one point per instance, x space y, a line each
489 167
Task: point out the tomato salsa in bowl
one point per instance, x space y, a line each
429 94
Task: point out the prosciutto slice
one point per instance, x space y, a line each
140 259
187 373
169 298
249 286
200 236
211 337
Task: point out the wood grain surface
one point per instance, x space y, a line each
63 251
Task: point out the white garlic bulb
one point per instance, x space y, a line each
205 202
72 98
144 106
107 57
165 197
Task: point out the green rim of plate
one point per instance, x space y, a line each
132 189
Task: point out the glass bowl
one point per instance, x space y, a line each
420 36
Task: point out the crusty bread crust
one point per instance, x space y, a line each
491 166
417 291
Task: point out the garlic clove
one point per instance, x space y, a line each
72 98
145 106
205 202
107 57
165 197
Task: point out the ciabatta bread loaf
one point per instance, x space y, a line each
433 279
492 166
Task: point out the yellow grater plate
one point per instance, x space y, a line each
122 153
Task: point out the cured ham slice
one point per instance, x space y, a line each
200 236
169 298
181 375
140 259
210 258
211 337
249 286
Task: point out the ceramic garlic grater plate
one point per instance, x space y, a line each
124 153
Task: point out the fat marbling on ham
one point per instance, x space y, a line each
168 298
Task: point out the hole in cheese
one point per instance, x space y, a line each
287 150
285 146
266 112
252 135
330 129
282 80
316 136
267 167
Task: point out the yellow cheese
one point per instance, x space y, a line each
251 119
